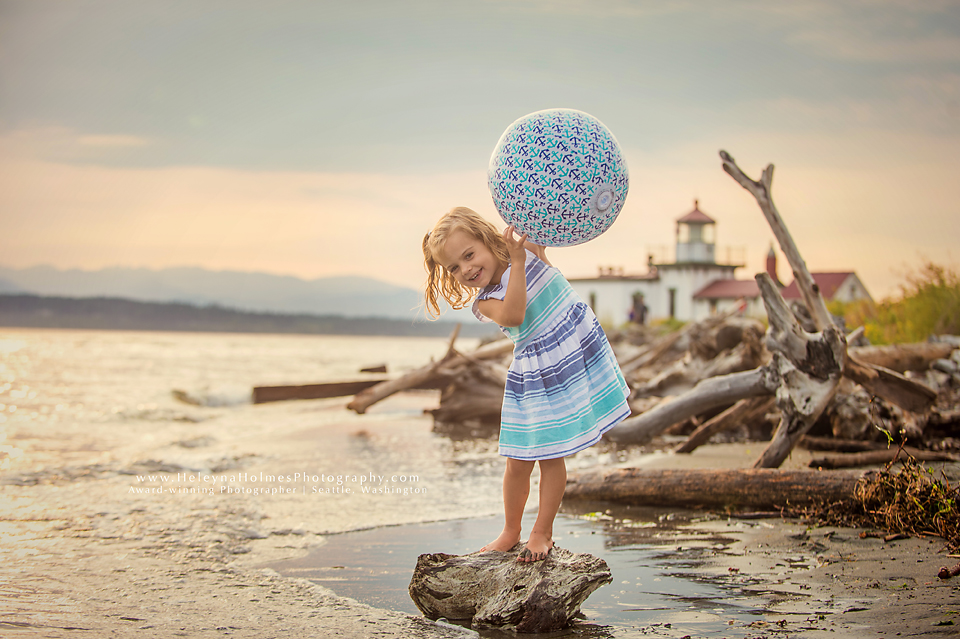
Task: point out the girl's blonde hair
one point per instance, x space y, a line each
440 283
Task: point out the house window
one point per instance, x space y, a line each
673 302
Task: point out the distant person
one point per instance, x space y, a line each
564 387
638 312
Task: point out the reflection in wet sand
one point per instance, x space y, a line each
657 560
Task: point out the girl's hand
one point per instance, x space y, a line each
513 308
540 252
516 247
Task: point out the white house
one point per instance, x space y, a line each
724 295
695 285
844 287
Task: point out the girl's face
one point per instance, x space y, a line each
469 261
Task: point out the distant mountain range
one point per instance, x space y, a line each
253 292
110 313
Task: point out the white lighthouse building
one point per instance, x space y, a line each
666 290
695 285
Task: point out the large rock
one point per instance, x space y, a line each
494 589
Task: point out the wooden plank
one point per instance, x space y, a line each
263 394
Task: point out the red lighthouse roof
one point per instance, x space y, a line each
696 216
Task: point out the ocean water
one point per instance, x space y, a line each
375 490
116 399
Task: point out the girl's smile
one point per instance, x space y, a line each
469 261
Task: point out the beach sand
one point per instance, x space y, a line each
83 557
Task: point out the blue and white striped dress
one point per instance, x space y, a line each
564 387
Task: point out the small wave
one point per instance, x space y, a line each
196 442
214 397
153 414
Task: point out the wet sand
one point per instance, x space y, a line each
83 557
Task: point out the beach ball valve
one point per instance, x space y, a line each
559 176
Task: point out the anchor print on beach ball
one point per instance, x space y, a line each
559 176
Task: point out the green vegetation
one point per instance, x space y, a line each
667 325
929 304
912 502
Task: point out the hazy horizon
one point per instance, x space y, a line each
194 267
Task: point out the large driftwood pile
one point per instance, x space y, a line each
713 377
669 397
807 374
729 373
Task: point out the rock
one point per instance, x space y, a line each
946 366
949 339
494 589
252 533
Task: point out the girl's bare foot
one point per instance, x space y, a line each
503 543
537 548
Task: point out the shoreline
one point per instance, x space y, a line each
75 567
82 557
84 570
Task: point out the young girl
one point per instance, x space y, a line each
564 387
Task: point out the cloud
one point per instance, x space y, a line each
63 144
112 141
314 139
893 31
308 224
864 200
426 86
867 200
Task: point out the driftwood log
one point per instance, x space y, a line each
415 379
708 394
453 367
733 489
809 367
746 410
902 357
879 457
494 589
838 445
264 394
652 351
685 373
471 399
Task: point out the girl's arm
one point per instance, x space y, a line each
513 308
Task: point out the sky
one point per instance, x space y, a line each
321 138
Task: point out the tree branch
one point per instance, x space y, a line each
809 291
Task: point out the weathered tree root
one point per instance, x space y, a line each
946 573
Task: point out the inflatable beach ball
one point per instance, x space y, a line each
559 176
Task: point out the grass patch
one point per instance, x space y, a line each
928 304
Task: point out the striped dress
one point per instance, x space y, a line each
564 387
